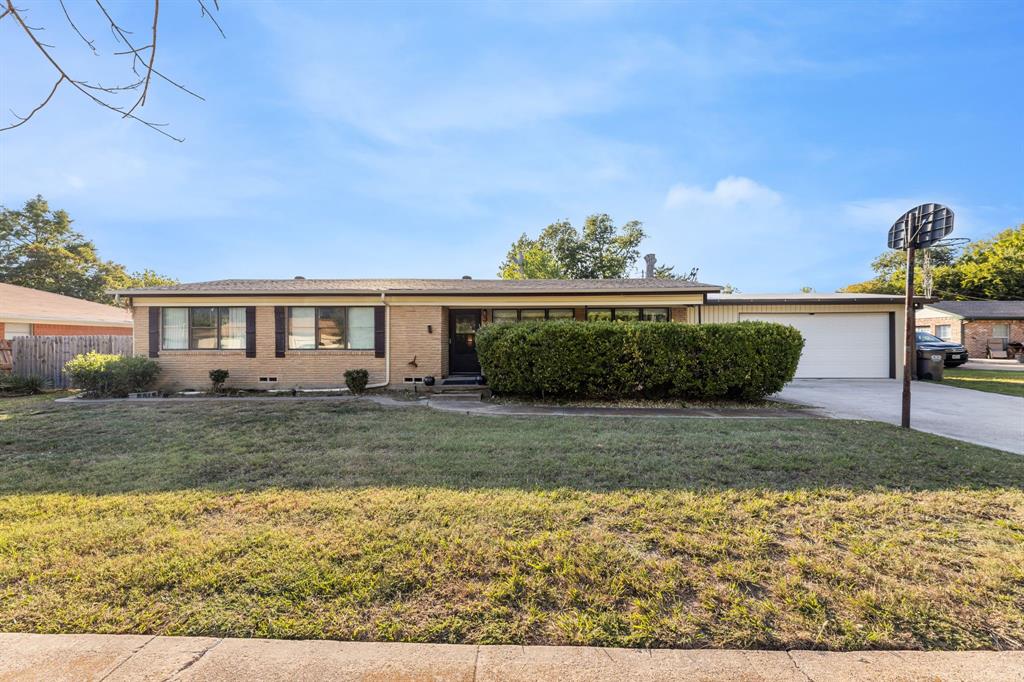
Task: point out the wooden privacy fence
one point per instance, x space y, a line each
45 356
5 356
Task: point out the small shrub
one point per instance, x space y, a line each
356 380
111 376
217 378
16 385
745 360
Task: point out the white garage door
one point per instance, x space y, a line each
838 345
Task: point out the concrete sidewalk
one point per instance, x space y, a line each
514 409
113 658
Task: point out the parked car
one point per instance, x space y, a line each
956 354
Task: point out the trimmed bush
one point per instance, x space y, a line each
111 376
743 360
217 379
356 380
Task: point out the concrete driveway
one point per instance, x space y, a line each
973 416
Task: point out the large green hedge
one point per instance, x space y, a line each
744 360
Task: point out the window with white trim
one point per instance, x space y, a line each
1001 331
943 331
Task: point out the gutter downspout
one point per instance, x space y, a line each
387 344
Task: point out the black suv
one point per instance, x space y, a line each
956 354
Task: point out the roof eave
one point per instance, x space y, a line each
793 300
409 292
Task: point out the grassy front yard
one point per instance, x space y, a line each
349 521
991 381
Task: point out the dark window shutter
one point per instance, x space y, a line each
250 331
280 330
154 332
379 331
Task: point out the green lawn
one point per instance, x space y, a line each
350 521
991 381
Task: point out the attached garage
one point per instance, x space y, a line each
847 336
839 345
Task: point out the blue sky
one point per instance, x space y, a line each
769 144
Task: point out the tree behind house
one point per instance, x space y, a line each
986 269
599 251
39 249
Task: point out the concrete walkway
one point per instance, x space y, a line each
122 658
478 407
972 416
474 406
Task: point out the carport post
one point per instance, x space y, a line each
911 327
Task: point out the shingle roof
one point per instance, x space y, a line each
423 286
983 310
31 305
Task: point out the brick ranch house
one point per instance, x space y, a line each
974 323
305 332
29 312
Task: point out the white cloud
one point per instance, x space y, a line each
730 191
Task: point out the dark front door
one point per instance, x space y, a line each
462 326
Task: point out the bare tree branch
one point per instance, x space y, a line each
24 119
88 42
207 13
121 35
77 86
142 65
149 67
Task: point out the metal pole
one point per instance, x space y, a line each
910 331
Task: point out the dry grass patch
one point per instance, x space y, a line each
352 522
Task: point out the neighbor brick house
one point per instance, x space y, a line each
305 333
974 323
30 312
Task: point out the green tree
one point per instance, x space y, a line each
985 269
39 249
119 278
891 271
599 251
668 272
988 268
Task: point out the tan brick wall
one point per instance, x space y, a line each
978 332
305 369
411 341
44 329
686 315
